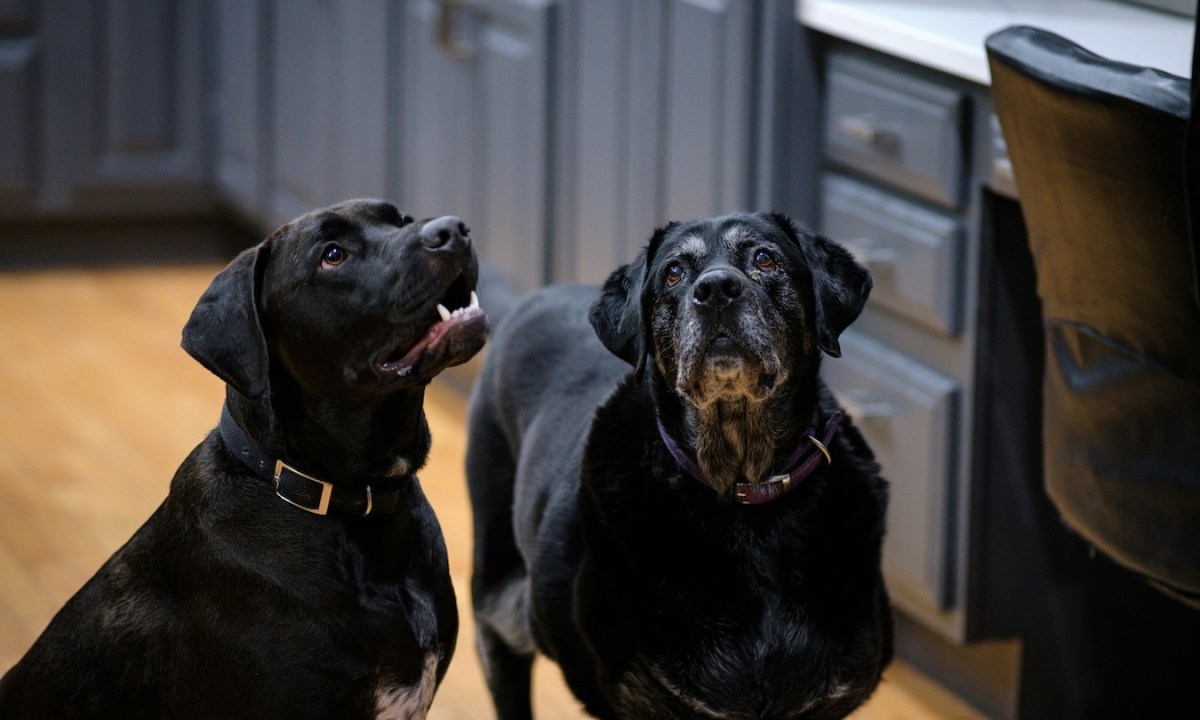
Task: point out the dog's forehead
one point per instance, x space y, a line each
702 241
350 216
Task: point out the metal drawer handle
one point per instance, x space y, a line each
866 252
868 130
861 407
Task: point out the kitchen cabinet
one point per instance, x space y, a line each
994 596
894 190
656 123
303 92
474 114
104 109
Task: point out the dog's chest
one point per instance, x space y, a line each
395 701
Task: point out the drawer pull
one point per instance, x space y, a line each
868 130
866 252
861 407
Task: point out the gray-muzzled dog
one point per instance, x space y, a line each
668 501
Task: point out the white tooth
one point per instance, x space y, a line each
474 299
443 312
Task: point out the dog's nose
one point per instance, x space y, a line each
447 232
716 288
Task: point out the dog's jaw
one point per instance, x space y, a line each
451 340
725 369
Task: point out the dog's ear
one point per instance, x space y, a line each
619 315
224 333
840 285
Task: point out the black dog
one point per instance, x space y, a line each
257 590
703 542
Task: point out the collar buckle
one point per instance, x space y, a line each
303 491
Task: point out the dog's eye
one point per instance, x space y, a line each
763 260
333 255
673 274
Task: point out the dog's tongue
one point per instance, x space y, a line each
438 330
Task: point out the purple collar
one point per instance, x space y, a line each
799 466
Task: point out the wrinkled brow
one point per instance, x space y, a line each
694 247
738 236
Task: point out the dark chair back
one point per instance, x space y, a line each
1097 149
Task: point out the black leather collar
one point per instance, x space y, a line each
300 489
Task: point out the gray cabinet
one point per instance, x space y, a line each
19 55
657 123
474 119
240 71
894 191
106 102
328 92
303 91
564 131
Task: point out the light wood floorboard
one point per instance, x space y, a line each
98 406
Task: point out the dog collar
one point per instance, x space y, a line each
304 491
799 466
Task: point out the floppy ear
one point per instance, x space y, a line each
619 314
224 333
840 285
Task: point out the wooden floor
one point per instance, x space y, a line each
98 405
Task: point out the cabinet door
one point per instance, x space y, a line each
18 93
655 123
475 110
240 63
710 49
906 412
102 108
329 103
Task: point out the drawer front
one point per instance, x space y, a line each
906 413
898 129
915 255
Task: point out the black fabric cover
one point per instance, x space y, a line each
1098 153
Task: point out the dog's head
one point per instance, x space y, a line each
353 300
731 307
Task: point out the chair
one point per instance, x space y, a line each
1097 149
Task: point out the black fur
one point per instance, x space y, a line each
658 595
230 603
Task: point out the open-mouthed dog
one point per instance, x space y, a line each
295 569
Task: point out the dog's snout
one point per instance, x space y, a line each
447 232
716 288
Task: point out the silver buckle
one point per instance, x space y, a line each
326 489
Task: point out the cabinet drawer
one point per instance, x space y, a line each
898 129
906 412
915 255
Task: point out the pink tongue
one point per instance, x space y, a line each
435 333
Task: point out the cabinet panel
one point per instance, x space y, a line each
899 129
328 103
17 121
240 67
907 414
658 117
117 95
145 99
915 255
709 100
475 111
611 135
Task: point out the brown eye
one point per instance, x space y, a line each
763 260
673 274
333 255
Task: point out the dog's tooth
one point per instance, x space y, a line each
443 312
474 299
